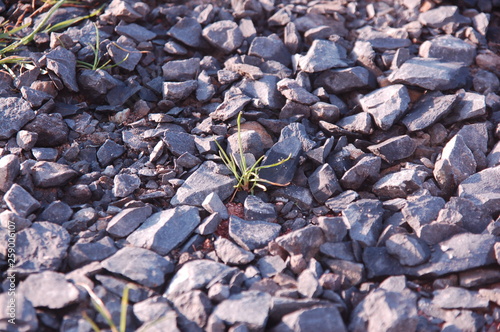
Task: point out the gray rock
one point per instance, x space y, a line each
141 265
256 209
269 266
8 218
292 90
26 319
431 74
209 224
20 201
195 306
108 152
305 241
299 195
319 155
493 157
395 148
45 154
84 252
344 80
124 54
324 111
51 129
341 201
213 204
249 307
63 63
334 228
26 140
188 31
469 106
367 167
181 70
338 250
49 174
125 184
323 55
386 105
34 97
151 309
351 273
454 320
440 17
448 48
270 48
358 123
455 165
463 212
323 183
459 298
314 319
399 184
135 31
428 110
224 35
49 289
232 254
127 220
97 81
230 107
252 234
179 90
284 173
14 114
483 188
308 285
9 170
123 10
179 143
409 250
422 211
485 82
297 130
365 220
195 275
208 178
165 230
249 141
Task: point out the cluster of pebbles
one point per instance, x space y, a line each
386 216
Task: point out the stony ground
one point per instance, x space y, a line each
385 217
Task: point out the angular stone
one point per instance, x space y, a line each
9 170
338 250
195 275
41 247
84 252
483 189
459 298
249 307
359 123
195 306
428 110
292 90
299 195
323 55
493 157
108 152
367 167
297 130
141 265
341 201
51 129
344 80
63 63
334 228
213 204
399 184
128 220
365 220
431 74
269 266
422 211
469 106
270 48
26 139
49 289
151 309
314 319
395 148
34 97
256 209
352 273
455 165
125 184
386 105
305 241
14 114
230 107
409 250
439 17
97 81
252 234
179 143
26 319
20 201
308 285
49 174
264 90
135 31
448 48
284 173
232 254
323 183
208 178
179 90
188 31
249 141
57 212
165 230
223 35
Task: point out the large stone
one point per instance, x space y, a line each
448 48
20 201
292 90
232 254
314 319
125 184
399 184
26 318
63 63
14 114
470 105
84 252
483 188
442 16
230 107
179 143
256 209
344 80
395 148
223 35
365 220
51 129
323 55
195 306
428 110
188 31
323 183
127 220
49 174
165 230
9 170
367 167
284 173
305 241
208 178
409 250
422 211
252 234
270 48
456 297
49 289
179 90
108 152
386 105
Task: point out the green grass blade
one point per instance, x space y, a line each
123 308
67 23
100 307
91 322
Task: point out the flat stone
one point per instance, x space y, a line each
493 157
334 228
97 81
351 273
264 89
252 234
14 114
399 184
249 307
367 167
386 105
269 266
284 173
125 184
230 107
470 105
208 178
431 74
57 212
20 201
455 165
195 275
298 130
108 152
232 254
395 148
49 289
209 224
41 247
223 35
270 48
34 97
338 250
422 211
323 55
49 174
256 209
9 170
165 230
213 204
188 31
292 90
448 48
178 143
135 31
179 90
51 129
459 298
463 212
84 252
299 195
365 220
344 80
314 319
63 63
428 110
439 17
359 123
127 220
483 189
305 241
485 82
45 154
141 265
151 309
409 250
341 201
249 141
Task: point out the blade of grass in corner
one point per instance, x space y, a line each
100 307
67 23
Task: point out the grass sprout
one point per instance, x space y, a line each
247 176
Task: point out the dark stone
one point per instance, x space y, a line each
231 253
230 107
344 80
367 167
448 48
51 129
341 201
195 306
422 211
181 70
179 143
292 90
179 90
386 105
396 148
270 48
108 152
365 218
84 252
224 35
49 289
305 241
284 173
323 55
188 31
34 97
57 212
399 184
20 201
135 31
252 234
428 110
323 183
48 174
410 251
334 228
299 195
14 114
128 220
63 63
256 209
